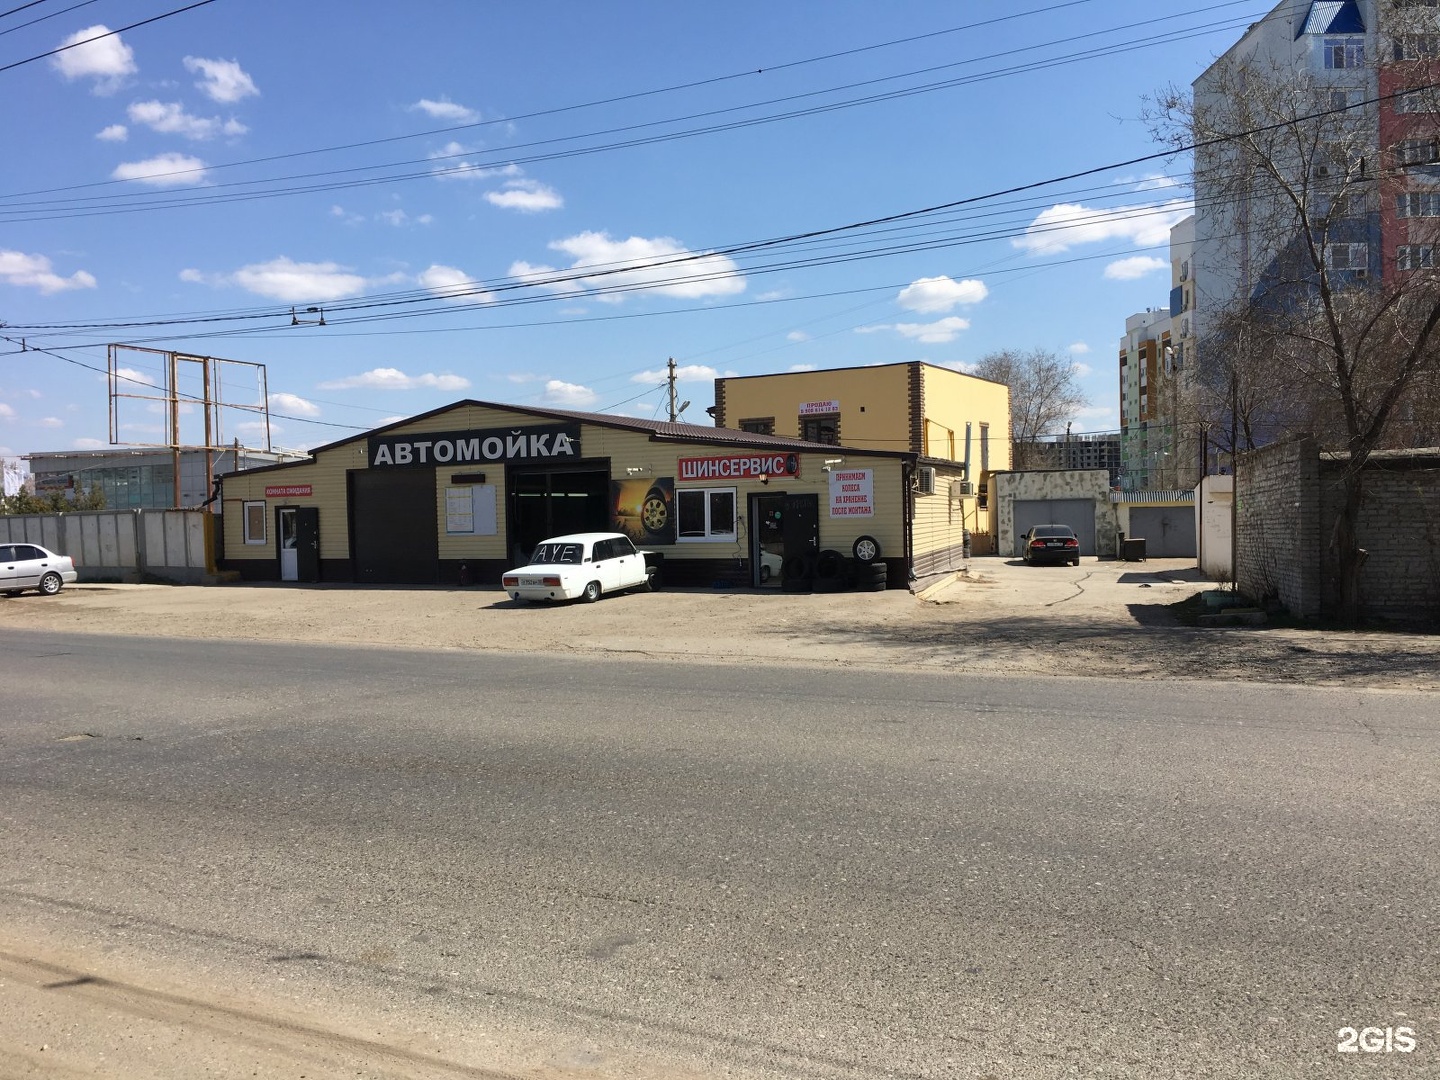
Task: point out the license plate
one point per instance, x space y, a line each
533 581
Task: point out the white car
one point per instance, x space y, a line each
30 566
582 566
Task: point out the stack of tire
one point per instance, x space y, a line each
871 573
797 573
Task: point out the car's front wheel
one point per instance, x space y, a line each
50 584
591 593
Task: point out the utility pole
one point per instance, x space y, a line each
674 414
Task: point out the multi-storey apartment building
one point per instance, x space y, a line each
1144 352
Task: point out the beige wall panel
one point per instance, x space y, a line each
882 392
952 400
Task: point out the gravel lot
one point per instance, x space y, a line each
1103 618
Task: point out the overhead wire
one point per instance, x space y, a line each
100 37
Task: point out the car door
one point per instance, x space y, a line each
629 563
29 564
607 569
7 567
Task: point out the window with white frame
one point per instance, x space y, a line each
1415 257
254 517
1417 46
1347 256
1417 101
1342 99
1417 204
705 514
1344 52
1417 152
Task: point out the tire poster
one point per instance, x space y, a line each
644 509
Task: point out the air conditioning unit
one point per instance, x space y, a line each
961 488
1361 274
925 480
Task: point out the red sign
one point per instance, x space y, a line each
286 491
738 467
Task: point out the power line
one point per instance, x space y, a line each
110 33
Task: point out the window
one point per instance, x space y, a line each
1417 152
254 523
1418 204
1344 52
1415 257
1417 46
1342 99
1347 256
821 429
1417 101
760 425
984 448
706 513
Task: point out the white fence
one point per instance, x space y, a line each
122 545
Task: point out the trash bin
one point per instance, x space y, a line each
1132 549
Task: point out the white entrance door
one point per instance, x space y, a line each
289 557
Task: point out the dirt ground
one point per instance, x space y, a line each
1102 618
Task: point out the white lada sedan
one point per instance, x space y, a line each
582 566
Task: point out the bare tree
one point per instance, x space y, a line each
1043 395
1308 327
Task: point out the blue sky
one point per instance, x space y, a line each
489 202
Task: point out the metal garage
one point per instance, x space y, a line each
1079 514
1168 531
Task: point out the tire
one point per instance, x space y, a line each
866 549
764 575
50 584
655 512
796 585
829 565
652 580
797 568
591 593
829 584
874 586
1075 561
875 572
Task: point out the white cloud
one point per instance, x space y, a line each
527 196
936 294
1079 348
52 422
34 272
1136 266
293 403
394 379
935 333
107 60
113 133
170 118
533 274
147 429
453 284
221 80
257 427
568 395
163 170
131 377
1082 369
1065 225
683 372
7 412
797 335
801 367
89 444
1151 182
684 273
451 163
284 279
446 110
398 218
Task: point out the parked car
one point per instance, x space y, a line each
1053 544
582 566
30 566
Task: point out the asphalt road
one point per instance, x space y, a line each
236 859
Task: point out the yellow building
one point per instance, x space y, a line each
465 492
957 425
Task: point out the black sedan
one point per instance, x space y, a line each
1053 544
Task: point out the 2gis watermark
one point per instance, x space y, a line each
1393 1039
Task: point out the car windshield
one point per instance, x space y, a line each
1052 530
570 554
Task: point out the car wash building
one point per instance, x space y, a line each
463 493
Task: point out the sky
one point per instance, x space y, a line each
542 205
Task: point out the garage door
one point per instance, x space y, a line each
1169 531
395 535
1079 514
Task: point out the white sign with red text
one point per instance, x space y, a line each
819 408
852 493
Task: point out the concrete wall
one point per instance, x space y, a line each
1399 527
1277 530
1091 484
1214 503
122 545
